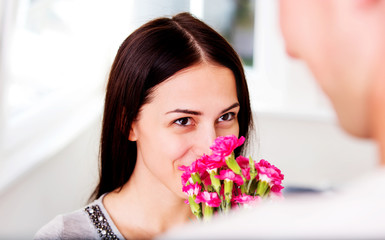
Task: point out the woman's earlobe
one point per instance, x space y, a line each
132 136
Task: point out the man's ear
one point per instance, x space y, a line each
132 135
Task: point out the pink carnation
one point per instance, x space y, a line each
223 146
210 198
195 167
186 177
269 178
271 174
206 178
230 175
192 189
200 163
212 162
276 188
243 162
246 199
246 173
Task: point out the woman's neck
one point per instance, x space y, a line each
144 207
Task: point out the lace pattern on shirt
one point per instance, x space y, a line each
100 222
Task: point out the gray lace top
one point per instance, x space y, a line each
90 222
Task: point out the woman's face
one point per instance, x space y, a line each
184 116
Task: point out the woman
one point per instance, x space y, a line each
175 85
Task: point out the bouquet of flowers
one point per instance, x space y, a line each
219 182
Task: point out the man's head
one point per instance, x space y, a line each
343 43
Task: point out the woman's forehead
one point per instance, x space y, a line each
196 88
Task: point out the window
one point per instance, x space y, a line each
55 57
234 20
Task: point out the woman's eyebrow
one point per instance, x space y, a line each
192 112
231 107
186 111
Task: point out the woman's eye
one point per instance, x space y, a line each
186 121
227 117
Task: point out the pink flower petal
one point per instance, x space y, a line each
210 198
243 162
192 189
225 145
271 174
246 199
230 175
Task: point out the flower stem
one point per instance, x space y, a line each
215 182
248 186
262 188
208 212
196 208
233 165
196 178
228 193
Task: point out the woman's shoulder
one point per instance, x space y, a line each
89 222
72 225
52 230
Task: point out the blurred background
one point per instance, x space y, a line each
55 57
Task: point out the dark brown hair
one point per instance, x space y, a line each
150 55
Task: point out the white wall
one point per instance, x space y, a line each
313 153
60 184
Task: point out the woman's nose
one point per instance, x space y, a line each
204 139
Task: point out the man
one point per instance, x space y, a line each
343 43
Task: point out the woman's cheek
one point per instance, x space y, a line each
179 150
233 129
